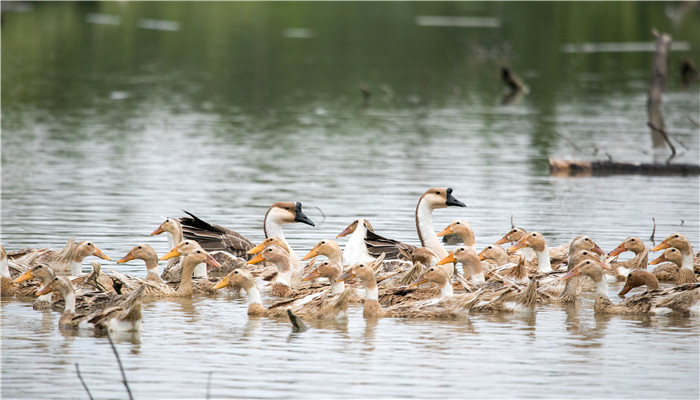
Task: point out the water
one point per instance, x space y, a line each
108 126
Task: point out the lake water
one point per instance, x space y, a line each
114 114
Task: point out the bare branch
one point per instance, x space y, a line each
77 370
653 232
663 133
121 368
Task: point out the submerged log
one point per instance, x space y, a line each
559 167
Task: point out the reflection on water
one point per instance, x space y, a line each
106 127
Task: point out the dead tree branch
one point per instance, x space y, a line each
77 370
121 367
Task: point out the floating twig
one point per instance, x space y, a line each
512 225
653 232
77 370
121 368
663 133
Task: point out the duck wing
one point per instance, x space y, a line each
376 245
215 237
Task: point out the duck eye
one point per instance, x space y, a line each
675 236
457 223
323 242
89 244
632 240
586 239
139 247
437 192
490 247
235 272
534 234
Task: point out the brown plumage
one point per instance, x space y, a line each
686 272
640 260
214 237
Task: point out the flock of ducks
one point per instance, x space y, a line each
389 278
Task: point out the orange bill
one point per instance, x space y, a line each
311 254
598 250
222 283
518 245
445 231
126 258
44 290
502 240
625 290
449 259
99 253
619 249
421 280
24 277
311 276
574 272
172 253
346 231
481 255
657 260
661 246
256 249
345 276
256 259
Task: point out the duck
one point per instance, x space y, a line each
68 260
447 306
214 237
124 316
45 275
146 253
330 249
538 244
638 278
680 300
495 254
572 285
7 289
641 255
686 273
314 306
356 249
672 261
193 255
513 236
329 269
283 260
462 230
470 263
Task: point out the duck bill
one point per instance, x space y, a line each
452 201
44 290
211 261
449 259
158 230
661 246
574 272
256 259
346 231
421 280
256 249
625 290
99 253
519 244
657 260
313 275
24 277
502 240
311 254
126 258
222 283
172 253
445 231
603 265
345 277
619 249
598 250
299 216
481 255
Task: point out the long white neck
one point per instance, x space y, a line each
69 298
76 268
528 253
543 263
446 289
253 295
200 271
371 291
424 224
478 278
356 248
284 276
687 261
274 229
601 287
4 268
337 287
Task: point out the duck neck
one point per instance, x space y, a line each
527 253
152 266
371 290
543 263
76 267
467 236
4 268
687 262
200 271
601 286
424 226
253 295
337 287
476 272
69 298
186 279
356 248
446 289
174 238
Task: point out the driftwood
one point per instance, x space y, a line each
561 167
657 85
